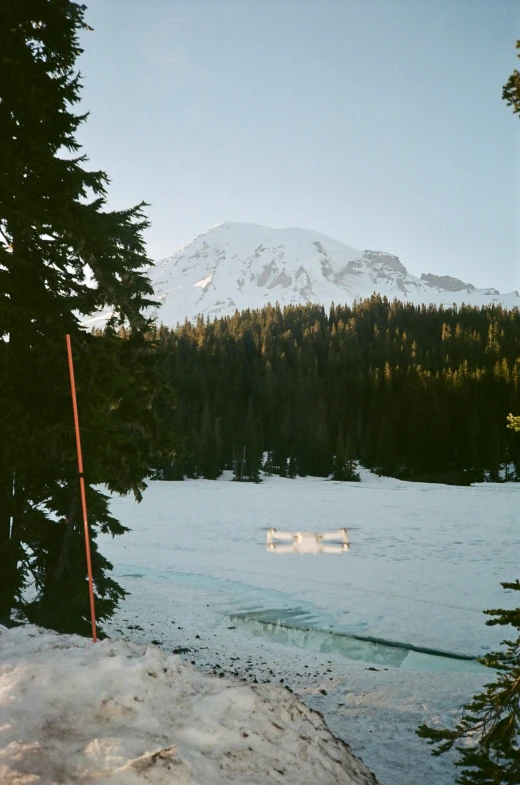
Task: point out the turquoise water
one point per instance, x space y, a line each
271 615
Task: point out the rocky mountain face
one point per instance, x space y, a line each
237 266
448 283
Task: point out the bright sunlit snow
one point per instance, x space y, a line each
202 284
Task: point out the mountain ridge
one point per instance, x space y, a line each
234 266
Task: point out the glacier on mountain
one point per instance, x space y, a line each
234 266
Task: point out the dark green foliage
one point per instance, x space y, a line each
412 391
511 90
490 724
344 463
247 452
62 255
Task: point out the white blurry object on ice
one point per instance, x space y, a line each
307 542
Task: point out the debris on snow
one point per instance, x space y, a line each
72 711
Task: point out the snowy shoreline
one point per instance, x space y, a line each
374 708
72 711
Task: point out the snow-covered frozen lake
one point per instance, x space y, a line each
425 560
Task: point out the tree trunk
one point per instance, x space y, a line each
51 608
63 564
10 548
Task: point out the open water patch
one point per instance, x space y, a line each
294 627
271 614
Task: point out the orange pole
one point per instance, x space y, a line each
82 487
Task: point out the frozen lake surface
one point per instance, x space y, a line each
425 560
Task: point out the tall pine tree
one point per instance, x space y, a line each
487 737
63 255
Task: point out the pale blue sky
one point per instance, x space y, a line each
377 122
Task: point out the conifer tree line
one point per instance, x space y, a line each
417 392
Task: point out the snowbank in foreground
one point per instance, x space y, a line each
76 712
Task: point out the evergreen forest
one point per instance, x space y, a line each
417 392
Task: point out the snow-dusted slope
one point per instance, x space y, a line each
238 265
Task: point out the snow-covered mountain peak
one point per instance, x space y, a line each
236 265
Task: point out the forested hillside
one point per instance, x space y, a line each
417 392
